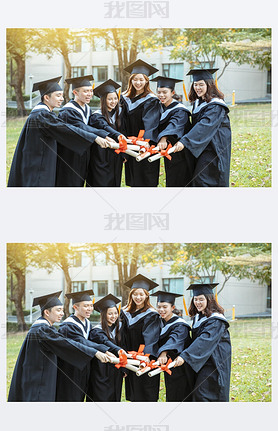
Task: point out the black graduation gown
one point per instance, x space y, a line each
105 167
141 328
35 158
72 168
209 141
174 338
106 380
72 383
209 356
35 373
141 114
174 123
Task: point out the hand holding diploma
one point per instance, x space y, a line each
178 361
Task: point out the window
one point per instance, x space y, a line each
78 71
77 260
173 285
268 82
99 259
173 70
99 44
116 74
100 73
78 286
77 45
117 290
100 288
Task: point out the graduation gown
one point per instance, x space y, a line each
35 158
72 383
174 123
209 141
105 167
35 373
106 380
72 168
141 328
209 356
174 338
141 113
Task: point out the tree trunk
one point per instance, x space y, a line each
67 76
18 294
17 85
68 290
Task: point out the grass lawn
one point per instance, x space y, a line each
251 145
251 360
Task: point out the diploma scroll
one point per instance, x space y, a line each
163 153
162 368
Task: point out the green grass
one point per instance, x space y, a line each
251 360
251 145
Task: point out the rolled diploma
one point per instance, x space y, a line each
129 361
145 370
140 357
141 143
128 151
158 156
145 154
159 370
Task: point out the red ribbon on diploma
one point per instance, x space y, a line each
165 367
122 145
165 152
140 352
134 139
123 360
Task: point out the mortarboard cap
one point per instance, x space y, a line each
140 282
80 81
106 302
49 86
202 289
140 66
47 301
84 295
201 74
163 81
163 296
108 86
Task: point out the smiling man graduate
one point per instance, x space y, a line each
35 373
35 158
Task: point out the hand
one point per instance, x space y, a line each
102 142
179 362
178 147
162 359
102 357
110 354
108 139
122 351
162 144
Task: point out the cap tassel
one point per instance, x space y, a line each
185 308
94 300
216 83
119 93
185 93
216 296
93 86
119 309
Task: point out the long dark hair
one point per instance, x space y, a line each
105 112
212 91
105 326
212 307
131 92
131 306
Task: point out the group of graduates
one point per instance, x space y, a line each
73 148
74 363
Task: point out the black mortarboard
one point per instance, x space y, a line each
199 74
106 302
47 301
140 66
80 81
163 296
46 87
108 86
202 289
84 295
140 282
162 81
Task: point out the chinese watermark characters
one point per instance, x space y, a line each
137 221
136 9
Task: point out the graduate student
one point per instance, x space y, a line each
209 355
106 380
35 158
105 168
140 111
72 169
72 383
140 325
35 373
174 338
209 140
174 123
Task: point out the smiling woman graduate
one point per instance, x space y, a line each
209 140
105 379
174 338
105 168
35 158
35 373
141 325
209 355
140 111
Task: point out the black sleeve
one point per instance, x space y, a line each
176 340
150 332
150 117
100 122
176 126
69 117
99 336
69 331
